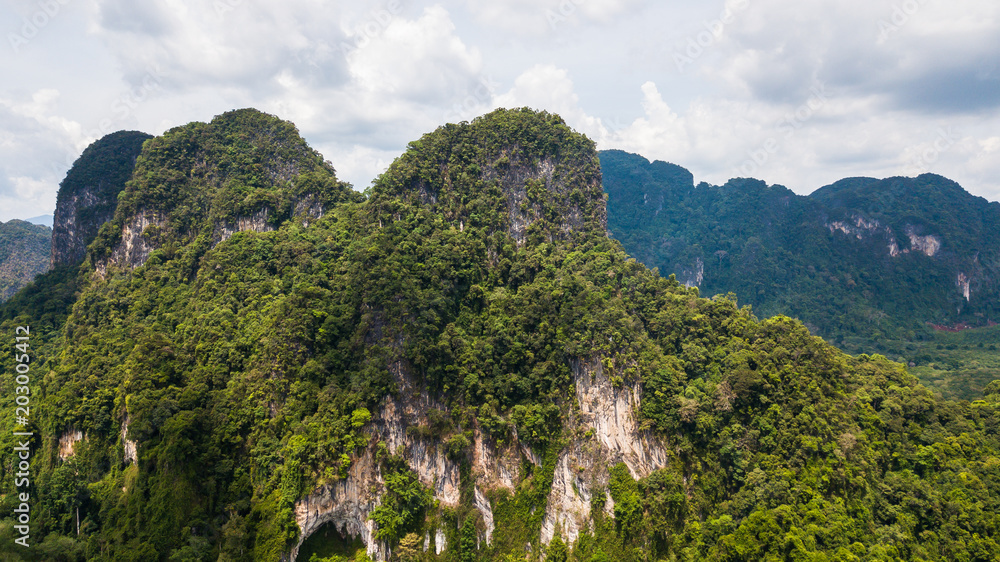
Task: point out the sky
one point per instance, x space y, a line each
797 93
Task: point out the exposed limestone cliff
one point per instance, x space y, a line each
963 283
928 245
130 446
607 419
611 413
89 193
135 246
693 276
348 502
243 171
256 223
607 434
861 228
68 441
524 209
550 185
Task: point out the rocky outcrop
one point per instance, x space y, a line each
256 223
606 430
607 420
927 245
243 171
348 502
611 413
963 283
693 276
89 194
523 209
482 504
136 244
130 446
68 441
861 228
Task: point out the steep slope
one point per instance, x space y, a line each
462 365
24 253
860 258
89 194
205 181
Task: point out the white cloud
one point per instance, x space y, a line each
193 43
407 75
418 60
361 79
541 17
37 149
546 87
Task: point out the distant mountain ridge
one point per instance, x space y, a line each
860 257
45 220
24 253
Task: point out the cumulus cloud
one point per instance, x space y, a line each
914 54
407 74
803 145
419 60
194 43
37 148
540 17
791 93
546 87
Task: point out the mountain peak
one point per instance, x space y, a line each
244 170
89 193
516 170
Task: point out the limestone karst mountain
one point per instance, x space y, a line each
861 258
88 196
255 362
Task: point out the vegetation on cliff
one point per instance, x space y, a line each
24 253
88 195
861 258
245 373
868 264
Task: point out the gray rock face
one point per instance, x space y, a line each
243 171
89 194
607 433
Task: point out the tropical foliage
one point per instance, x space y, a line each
246 371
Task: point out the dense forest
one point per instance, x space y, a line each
874 266
862 258
243 328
